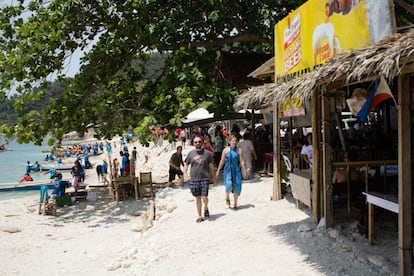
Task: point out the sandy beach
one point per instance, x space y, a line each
262 237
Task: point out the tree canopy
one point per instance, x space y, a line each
118 85
114 89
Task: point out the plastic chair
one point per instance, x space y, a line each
287 163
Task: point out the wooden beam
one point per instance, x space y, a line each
405 6
406 11
370 223
327 163
408 68
392 14
404 176
277 188
316 130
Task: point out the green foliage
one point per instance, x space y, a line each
26 113
119 84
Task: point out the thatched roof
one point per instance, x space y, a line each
389 58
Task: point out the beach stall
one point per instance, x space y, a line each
384 67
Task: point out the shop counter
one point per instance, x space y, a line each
385 201
301 184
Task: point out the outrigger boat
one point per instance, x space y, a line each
46 168
26 186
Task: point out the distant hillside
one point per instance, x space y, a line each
8 114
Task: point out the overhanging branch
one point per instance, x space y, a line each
246 37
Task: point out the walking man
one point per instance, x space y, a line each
176 161
201 174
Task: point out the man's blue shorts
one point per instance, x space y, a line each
199 187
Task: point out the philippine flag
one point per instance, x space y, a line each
379 93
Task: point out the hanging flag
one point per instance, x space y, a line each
379 93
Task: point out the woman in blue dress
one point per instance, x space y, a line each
234 166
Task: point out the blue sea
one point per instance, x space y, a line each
13 164
13 161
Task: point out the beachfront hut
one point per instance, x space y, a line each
393 58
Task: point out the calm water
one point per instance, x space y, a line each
13 161
13 165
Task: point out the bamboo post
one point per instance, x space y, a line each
253 123
277 190
111 178
404 176
370 223
316 130
291 140
326 161
392 14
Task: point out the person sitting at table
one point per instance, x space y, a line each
339 182
60 185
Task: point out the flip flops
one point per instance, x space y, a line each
206 213
199 220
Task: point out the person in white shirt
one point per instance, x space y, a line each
247 148
307 150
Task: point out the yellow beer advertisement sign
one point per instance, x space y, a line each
292 108
317 31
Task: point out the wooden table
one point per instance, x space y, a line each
358 164
119 184
385 201
301 184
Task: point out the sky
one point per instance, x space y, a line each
72 65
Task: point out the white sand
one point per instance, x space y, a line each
262 237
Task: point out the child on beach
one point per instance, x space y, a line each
115 168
